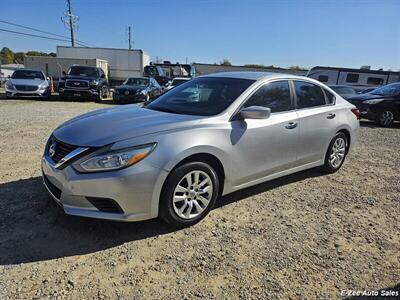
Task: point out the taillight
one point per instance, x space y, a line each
356 112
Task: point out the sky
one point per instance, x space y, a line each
340 33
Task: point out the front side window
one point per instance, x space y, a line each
274 95
203 96
308 95
352 78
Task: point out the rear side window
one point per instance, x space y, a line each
323 78
274 95
308 95
352 78
329 96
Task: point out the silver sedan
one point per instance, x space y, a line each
209 137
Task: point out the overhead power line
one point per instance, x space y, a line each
82 43
35 35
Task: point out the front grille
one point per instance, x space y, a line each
79 84
26 88
105 205
61 149
53 189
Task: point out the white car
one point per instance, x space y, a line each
27 83
177 81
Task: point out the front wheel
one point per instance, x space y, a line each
385 118
103 93
336 153
190 192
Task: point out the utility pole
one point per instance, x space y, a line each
129 37
70 20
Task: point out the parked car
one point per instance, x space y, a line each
368 90
157 73
382 105
84 82
137 89
211 136
27 83
177 81
343 90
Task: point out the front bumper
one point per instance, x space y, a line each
40 93
78 92
136 190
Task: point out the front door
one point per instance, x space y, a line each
262 147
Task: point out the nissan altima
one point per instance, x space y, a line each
208 137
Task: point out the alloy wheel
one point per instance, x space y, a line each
192 194
386 118
338 152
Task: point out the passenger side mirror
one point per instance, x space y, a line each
255 112
63 72
103 76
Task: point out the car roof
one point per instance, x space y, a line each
254 75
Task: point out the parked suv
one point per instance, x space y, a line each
84 81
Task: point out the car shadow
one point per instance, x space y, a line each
371 124
34 228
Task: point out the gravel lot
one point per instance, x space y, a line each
305 236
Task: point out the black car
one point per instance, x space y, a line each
137 89
344 90
381 105
84 82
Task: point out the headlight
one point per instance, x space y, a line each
9 85
94 82
373 101
116 160
44 85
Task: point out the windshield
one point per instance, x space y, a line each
343 90
137 81
176 82
387 90
205 96
25 74
83 71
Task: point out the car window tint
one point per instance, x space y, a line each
329 96
275 95
308 95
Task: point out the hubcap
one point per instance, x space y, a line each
386 118
192 194
338 152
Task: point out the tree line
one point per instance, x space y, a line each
7 56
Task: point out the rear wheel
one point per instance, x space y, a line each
189 194
385 118
336 153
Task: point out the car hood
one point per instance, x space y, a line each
26 81
131 87
79 77
106 126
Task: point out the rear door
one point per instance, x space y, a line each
317 121
262 147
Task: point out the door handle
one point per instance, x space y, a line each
331 116
291 125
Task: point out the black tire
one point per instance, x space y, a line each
385 118
329 166
166 208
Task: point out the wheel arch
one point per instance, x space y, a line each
346 132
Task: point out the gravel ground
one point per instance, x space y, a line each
304 236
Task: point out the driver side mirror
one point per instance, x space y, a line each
255 112
103 76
